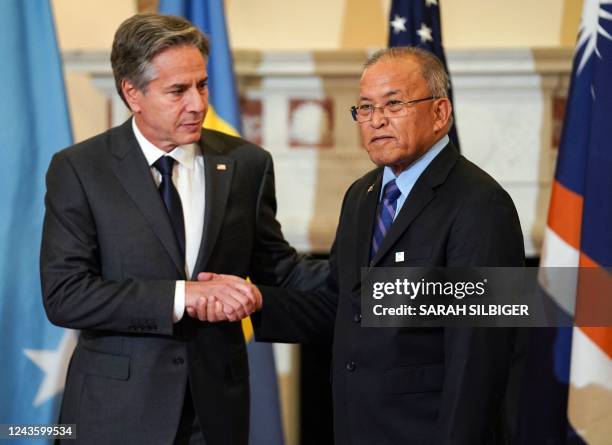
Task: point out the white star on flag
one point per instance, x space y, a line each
54 363
398 24
424 33
431 3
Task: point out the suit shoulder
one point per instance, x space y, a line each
232 146
89 148
471 184
362 184
473 177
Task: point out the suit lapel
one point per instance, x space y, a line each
131 168
366 215
219 171
420 196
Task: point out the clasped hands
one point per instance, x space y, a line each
217 297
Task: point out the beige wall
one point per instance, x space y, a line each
333 24
326 24
314 24
89 24
509 24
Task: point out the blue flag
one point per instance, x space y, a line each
417 23
224 115
585 168
34 116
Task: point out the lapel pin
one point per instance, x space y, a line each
370 188
221 167
399 257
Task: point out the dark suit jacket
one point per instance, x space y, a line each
109 262
405 385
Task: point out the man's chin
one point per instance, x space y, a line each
397 165
377 157
192 136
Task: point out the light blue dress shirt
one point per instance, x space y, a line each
406 179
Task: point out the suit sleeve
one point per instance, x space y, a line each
479 361
75 294
294 316
303 309
274 262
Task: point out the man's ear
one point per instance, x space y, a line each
442 113
131 94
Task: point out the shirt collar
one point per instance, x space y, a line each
183 154
407 178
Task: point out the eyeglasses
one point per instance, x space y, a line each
393 108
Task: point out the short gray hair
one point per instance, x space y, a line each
432 68
143 36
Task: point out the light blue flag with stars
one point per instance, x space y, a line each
35 124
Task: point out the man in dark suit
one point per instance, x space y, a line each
437 386
131 216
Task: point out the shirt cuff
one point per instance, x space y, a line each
179 301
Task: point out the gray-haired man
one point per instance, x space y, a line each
442 386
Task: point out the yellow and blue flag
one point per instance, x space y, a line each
35 125
224 115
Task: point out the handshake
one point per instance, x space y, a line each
216 297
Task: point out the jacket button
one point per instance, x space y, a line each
357 318
178 361
350 366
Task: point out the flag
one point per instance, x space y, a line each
35 124
579 234
417 23
224 115
587 147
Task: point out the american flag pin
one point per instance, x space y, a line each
221 167
370 188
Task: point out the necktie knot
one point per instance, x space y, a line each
164 165
391 192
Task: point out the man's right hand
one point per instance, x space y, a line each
220 297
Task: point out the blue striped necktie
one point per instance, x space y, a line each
172 200
384 219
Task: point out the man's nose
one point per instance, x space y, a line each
196 100
378 117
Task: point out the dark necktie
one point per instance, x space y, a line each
172 200
384 219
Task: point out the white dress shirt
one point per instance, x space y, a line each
189 179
